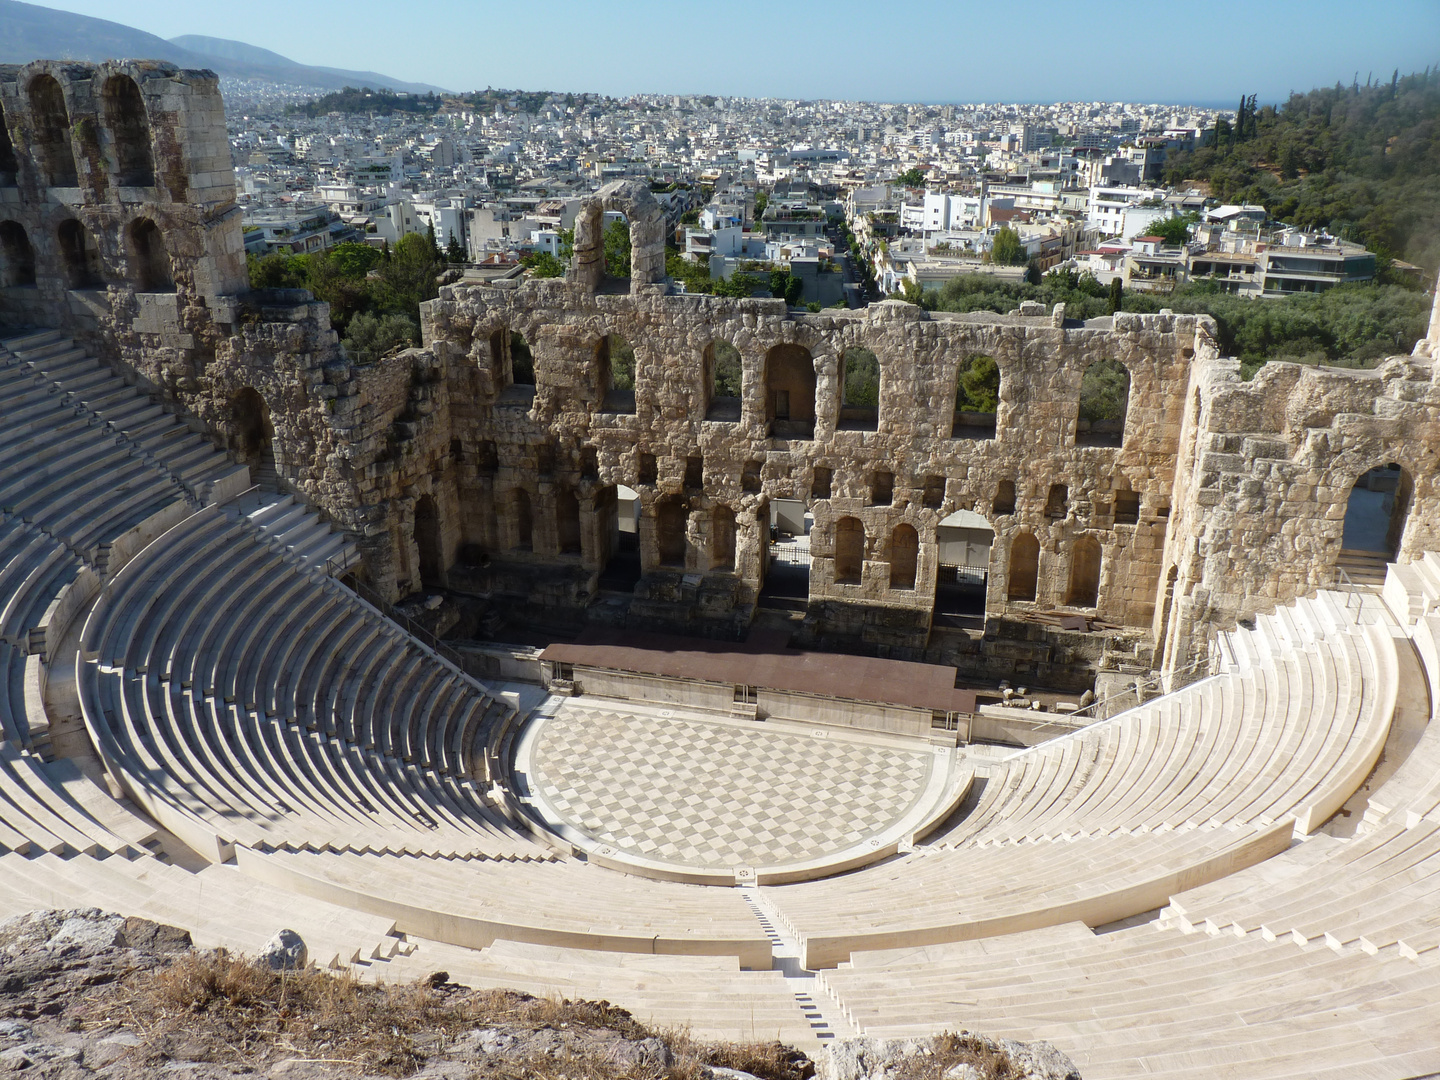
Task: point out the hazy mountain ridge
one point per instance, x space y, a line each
31 32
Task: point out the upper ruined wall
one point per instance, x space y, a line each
1034 446
118 191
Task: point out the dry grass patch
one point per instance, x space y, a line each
222 1008
950 1050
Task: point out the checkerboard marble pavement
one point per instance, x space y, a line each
702 793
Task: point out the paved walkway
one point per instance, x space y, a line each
715 793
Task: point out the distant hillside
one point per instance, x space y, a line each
31 32
223 50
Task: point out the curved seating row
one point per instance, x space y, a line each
241 695
710 996
218 904
566 903
1323 961
1111 820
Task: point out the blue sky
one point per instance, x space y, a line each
956 51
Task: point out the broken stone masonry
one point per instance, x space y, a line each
1214 498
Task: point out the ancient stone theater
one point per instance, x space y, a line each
600 647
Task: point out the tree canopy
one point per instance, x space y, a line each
1006 248
1349 325
1360 161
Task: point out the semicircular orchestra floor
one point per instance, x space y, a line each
661 787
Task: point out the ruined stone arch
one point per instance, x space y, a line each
129 125
1104 404
1023 572
1083 589
150 261
647 235
790 391
51 124
1377 510
17 256
9 164
904 556
849 551
978 380
723 375
79 256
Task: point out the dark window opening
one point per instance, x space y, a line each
1004 498
1057 502
821 484
130 130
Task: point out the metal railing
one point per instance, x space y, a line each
1138 688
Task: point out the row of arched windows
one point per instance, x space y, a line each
125 120
790 385
80 263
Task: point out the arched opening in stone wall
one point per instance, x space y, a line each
428 542
79 256
521 514
9 165
149 257
977 396
1104 403
790 392
567 522
860 390
1375 514
253 437
963 542
849 551
1004 502
130 129
615 374
904 556
617 509
1084 587
722 539
17 257
52 132
724 376
670 523
1023 574
619 239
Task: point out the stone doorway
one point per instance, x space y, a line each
1375 516
253 437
